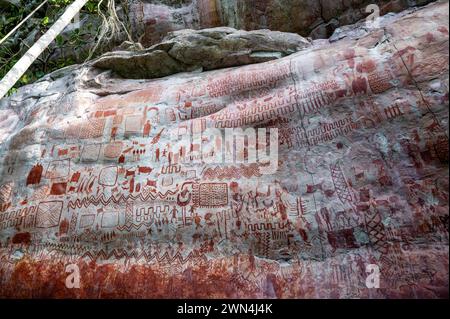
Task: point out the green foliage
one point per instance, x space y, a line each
45 21
92 7
12 49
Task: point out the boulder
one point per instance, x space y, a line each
206 49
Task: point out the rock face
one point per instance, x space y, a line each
152 20
120 179
207 49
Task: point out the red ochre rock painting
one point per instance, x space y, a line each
362 176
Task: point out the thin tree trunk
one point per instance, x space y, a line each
35 51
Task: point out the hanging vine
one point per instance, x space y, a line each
100 22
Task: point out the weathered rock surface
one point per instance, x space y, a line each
207 49
89 175
151 20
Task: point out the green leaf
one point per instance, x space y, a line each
24 79
45 21
39 74
59 40
11 91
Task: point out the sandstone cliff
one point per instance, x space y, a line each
150 21
90 175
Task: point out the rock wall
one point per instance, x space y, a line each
91 178
152 20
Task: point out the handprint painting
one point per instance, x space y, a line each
235 154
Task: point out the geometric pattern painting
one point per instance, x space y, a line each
48 214
213 194
350 201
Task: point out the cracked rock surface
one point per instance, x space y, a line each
91 175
